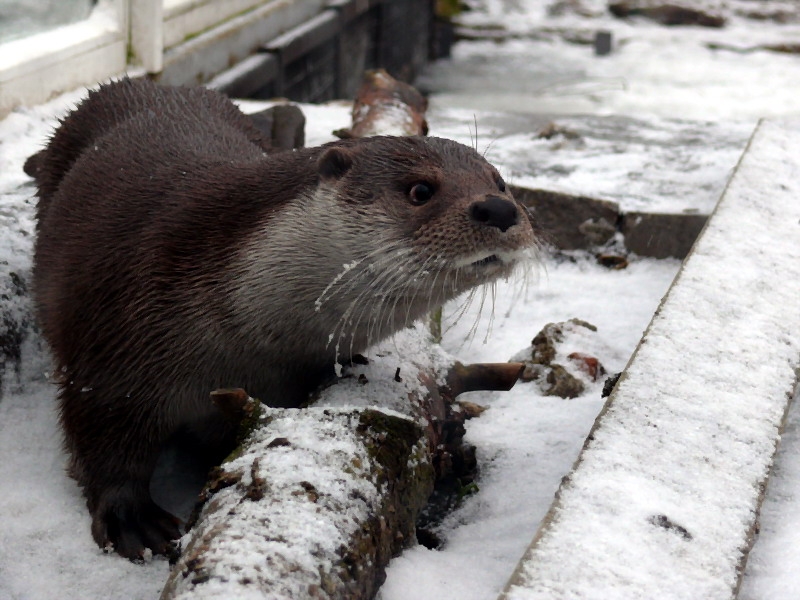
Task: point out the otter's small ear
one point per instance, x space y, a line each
334 163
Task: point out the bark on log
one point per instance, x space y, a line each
316 501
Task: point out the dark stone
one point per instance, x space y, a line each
781 15
554 379
661 235
602 43
562 383
612 260
283 124
562 218
610 384
533 372
666 13
787 48
16 320
553 129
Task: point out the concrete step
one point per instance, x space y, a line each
664 498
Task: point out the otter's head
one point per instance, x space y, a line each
433 219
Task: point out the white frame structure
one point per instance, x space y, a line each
180 41
34 68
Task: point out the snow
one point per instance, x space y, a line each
642 93
772 564
652 70
51 535
526 442
689 435
46 550
608 158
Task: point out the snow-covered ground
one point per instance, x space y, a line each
663 499
526 442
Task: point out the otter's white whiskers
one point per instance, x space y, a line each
381 287
385 252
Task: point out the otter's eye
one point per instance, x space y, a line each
501 185
420 193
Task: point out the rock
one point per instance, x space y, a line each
666 13
788 13
565 378
283 124
471 409
783 48
562 383
553 129
602 43
533 372
609 384
588 364
561 8
16 319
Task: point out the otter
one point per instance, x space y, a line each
177 253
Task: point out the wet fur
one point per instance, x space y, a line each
176 254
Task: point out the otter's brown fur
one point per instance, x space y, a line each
176 255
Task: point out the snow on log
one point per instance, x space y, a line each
315 501
663 501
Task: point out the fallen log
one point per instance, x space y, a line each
311 505
315 501
386 106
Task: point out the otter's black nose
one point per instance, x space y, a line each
495 212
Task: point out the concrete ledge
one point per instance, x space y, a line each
302 39
248 77
661 235
663 500
571 222
325 56
562 216
200 58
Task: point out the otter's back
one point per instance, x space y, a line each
117 103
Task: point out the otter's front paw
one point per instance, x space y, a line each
128 523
